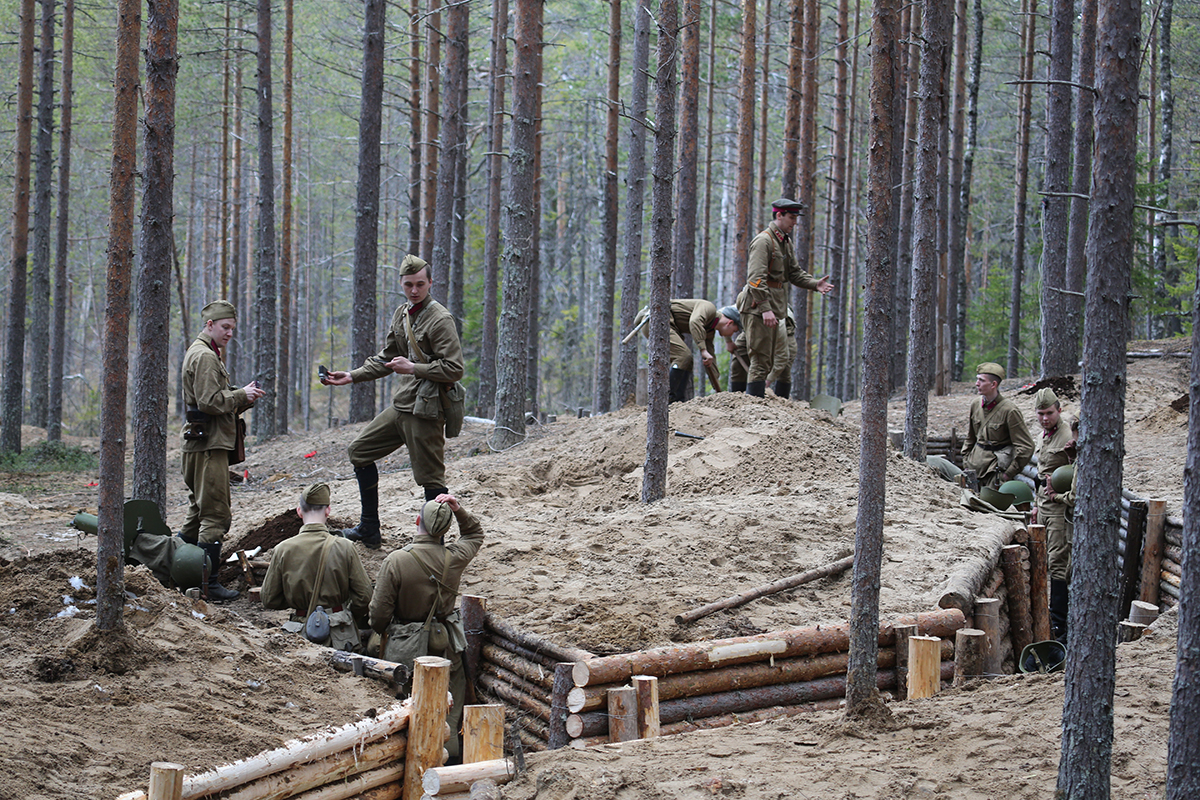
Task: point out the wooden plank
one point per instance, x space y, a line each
1039 584
483 732
427 729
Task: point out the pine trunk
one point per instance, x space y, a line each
1166 267
433 63
602 393
904 265
744 171
265 286
454 95
43 193
791 112
415 118
58 344
1081 181
1020 196
807 188
837 190
957 219
684 284
286 301
491 244
972 123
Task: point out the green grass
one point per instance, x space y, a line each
50 457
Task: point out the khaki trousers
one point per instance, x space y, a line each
393 429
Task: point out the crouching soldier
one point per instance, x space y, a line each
319 568
415 601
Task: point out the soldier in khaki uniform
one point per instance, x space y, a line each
703 320
295 579
1059 506
740 362
440 361
763 303
210 434
417 591
997 445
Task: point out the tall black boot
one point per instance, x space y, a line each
756 388
432 492
367 529
1058 609
678 385
215 590
737 387
783 389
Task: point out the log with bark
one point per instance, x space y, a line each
974 579
534 642
1039 596
843 563
529 670
458 778
517 682
1019 621
337 767
377 668
514 696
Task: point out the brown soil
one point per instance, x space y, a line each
572 554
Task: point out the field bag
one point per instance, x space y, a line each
408 641
437 400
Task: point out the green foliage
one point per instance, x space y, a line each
987 331
50 457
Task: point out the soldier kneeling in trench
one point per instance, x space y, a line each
319 568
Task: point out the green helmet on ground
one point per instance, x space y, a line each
187 566
1019 491
1061 478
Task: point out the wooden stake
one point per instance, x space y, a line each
483 733
166 781
1039 586
622 714
427 728
247 570
1128 631
1132 571
1019 623
444 780
473 610
557 727
924 666
1156 517
987 619
646 687
782 585
1142 613
903 634
969 644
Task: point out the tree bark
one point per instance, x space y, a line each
1021 192
684 283
972 123
795 90
957 221
110 561
491 243
602 393
12 399
1084 770
925 225
904 265
654 475
415 107
1082 176
62 243
43 192
807 188
1165 267
837 193
861 693
744 171
433 63
151 394
454 97
286 384
635 198
265 287
366 224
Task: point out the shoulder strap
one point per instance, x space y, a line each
439 580
312 602
412 340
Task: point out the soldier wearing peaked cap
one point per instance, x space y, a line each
1056 448
319 568
415 598
997 445
763 302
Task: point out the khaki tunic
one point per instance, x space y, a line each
206 386
437 336
997 445
737 372
771 267
292 575
689 316
1051 454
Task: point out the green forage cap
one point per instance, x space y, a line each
218 309
317 494
411 265
435 517
1045 398
991 368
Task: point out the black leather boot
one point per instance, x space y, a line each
367 529
756 388
783 389
1058 609
678 385
432 492
214 590
738 387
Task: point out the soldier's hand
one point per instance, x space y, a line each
401 365
252 390
824 286
769 319
730 346
449 500
706 357
339 378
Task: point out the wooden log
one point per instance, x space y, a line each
540 659
622 714
1172 567
923 666
1129 631
531 671
747 717
439 780
517 682
473 610
387 671
247 570
591 741
427 729
746 649
1142 613
534 642
1039 584
900 654
1152 559
646 691
486 789
483 733
563 683
166 781
975 577
843 563
511 694
995 582
1019 623
1132 571
336 767
987 619
388 791
969 647
530 742
385 778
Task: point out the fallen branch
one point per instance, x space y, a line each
782 585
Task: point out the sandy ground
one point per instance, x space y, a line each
769 491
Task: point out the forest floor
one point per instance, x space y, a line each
573 555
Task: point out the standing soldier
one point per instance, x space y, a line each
763 303
739 364
703 321
210 434
423 349
997 445
1055 511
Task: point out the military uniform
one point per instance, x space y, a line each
1052 454
771 267
416 577
206 460
737 369
437 336
997 445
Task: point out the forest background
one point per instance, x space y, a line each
217 161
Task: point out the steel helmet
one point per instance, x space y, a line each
1047 656
187 566
1062 477
995 499
1019 491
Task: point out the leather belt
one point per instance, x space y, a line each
304 616
774 284
992 447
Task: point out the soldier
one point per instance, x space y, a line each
317 568
703 321
1052 453
1061 504
210 435
763 302
997 445
423 349
740 362
414 603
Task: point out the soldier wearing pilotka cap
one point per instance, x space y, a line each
997 445
763 303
